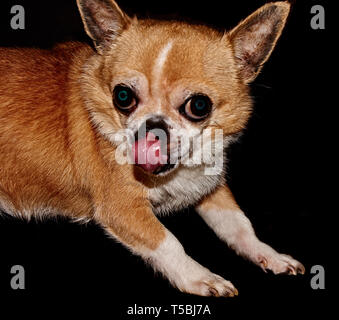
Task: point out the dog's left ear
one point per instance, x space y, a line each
254 39
103 21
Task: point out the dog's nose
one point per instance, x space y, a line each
150 148
157 125
156 122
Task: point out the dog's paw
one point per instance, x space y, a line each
269 259
209 284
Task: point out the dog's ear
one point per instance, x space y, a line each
103 20
254 38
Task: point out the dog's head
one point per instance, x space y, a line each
171 85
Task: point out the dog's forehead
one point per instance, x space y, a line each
174 51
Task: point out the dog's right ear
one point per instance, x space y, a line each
103 20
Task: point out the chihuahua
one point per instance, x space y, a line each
150 91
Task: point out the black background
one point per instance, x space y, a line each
280 173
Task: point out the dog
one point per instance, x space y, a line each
147 92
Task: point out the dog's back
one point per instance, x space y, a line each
36 87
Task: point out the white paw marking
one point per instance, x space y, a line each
268 259
185 273
206 283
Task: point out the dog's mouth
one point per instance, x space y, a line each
151 152
164 169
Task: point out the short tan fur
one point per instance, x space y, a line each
58 126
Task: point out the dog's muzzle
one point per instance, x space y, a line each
151 146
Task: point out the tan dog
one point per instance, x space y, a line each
62 113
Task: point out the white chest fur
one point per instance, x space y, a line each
184 188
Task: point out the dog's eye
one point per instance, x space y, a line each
197 108
124 98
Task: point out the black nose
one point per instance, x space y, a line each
157 125
156 122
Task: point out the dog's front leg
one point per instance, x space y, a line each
130 220
222 214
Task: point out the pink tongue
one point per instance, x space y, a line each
147 153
